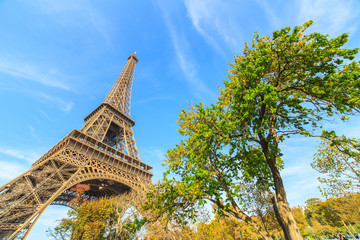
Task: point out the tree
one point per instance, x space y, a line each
223 228
339 160
104 218
300 219
280 86
117 217
85 220
334 214
79 192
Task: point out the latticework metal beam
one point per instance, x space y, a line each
120 94
103 154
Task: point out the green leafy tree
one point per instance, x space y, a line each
339 160
333 215
104 218
86 220
221 228
348 208
280 86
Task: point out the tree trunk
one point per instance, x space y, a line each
283 206
277 214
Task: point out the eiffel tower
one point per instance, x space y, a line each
102 154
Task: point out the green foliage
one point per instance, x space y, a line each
300 220
224 228
284 86
105 218
339 160
319 219
333 215
280 86
322 218
86 221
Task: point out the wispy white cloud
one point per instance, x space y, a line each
299 191
52 215
63 105
216 22
12 170
45 115
300 181
100 25
198 87
272 12
153 153
25 70
330 16
33 133
302 169
79 14
154 156
52 7
299 178
200 13
158 98
181 46
27 155
48 220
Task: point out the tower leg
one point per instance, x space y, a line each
78 158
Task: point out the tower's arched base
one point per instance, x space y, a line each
78 158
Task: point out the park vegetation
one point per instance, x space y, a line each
230 157
116 218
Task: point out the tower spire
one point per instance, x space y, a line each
120 94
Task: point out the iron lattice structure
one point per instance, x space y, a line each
102 154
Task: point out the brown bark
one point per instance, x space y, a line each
283 206
278 218
292 231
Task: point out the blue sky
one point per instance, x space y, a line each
59 59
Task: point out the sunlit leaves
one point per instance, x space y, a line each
281 85
330 216
104 218
339 161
